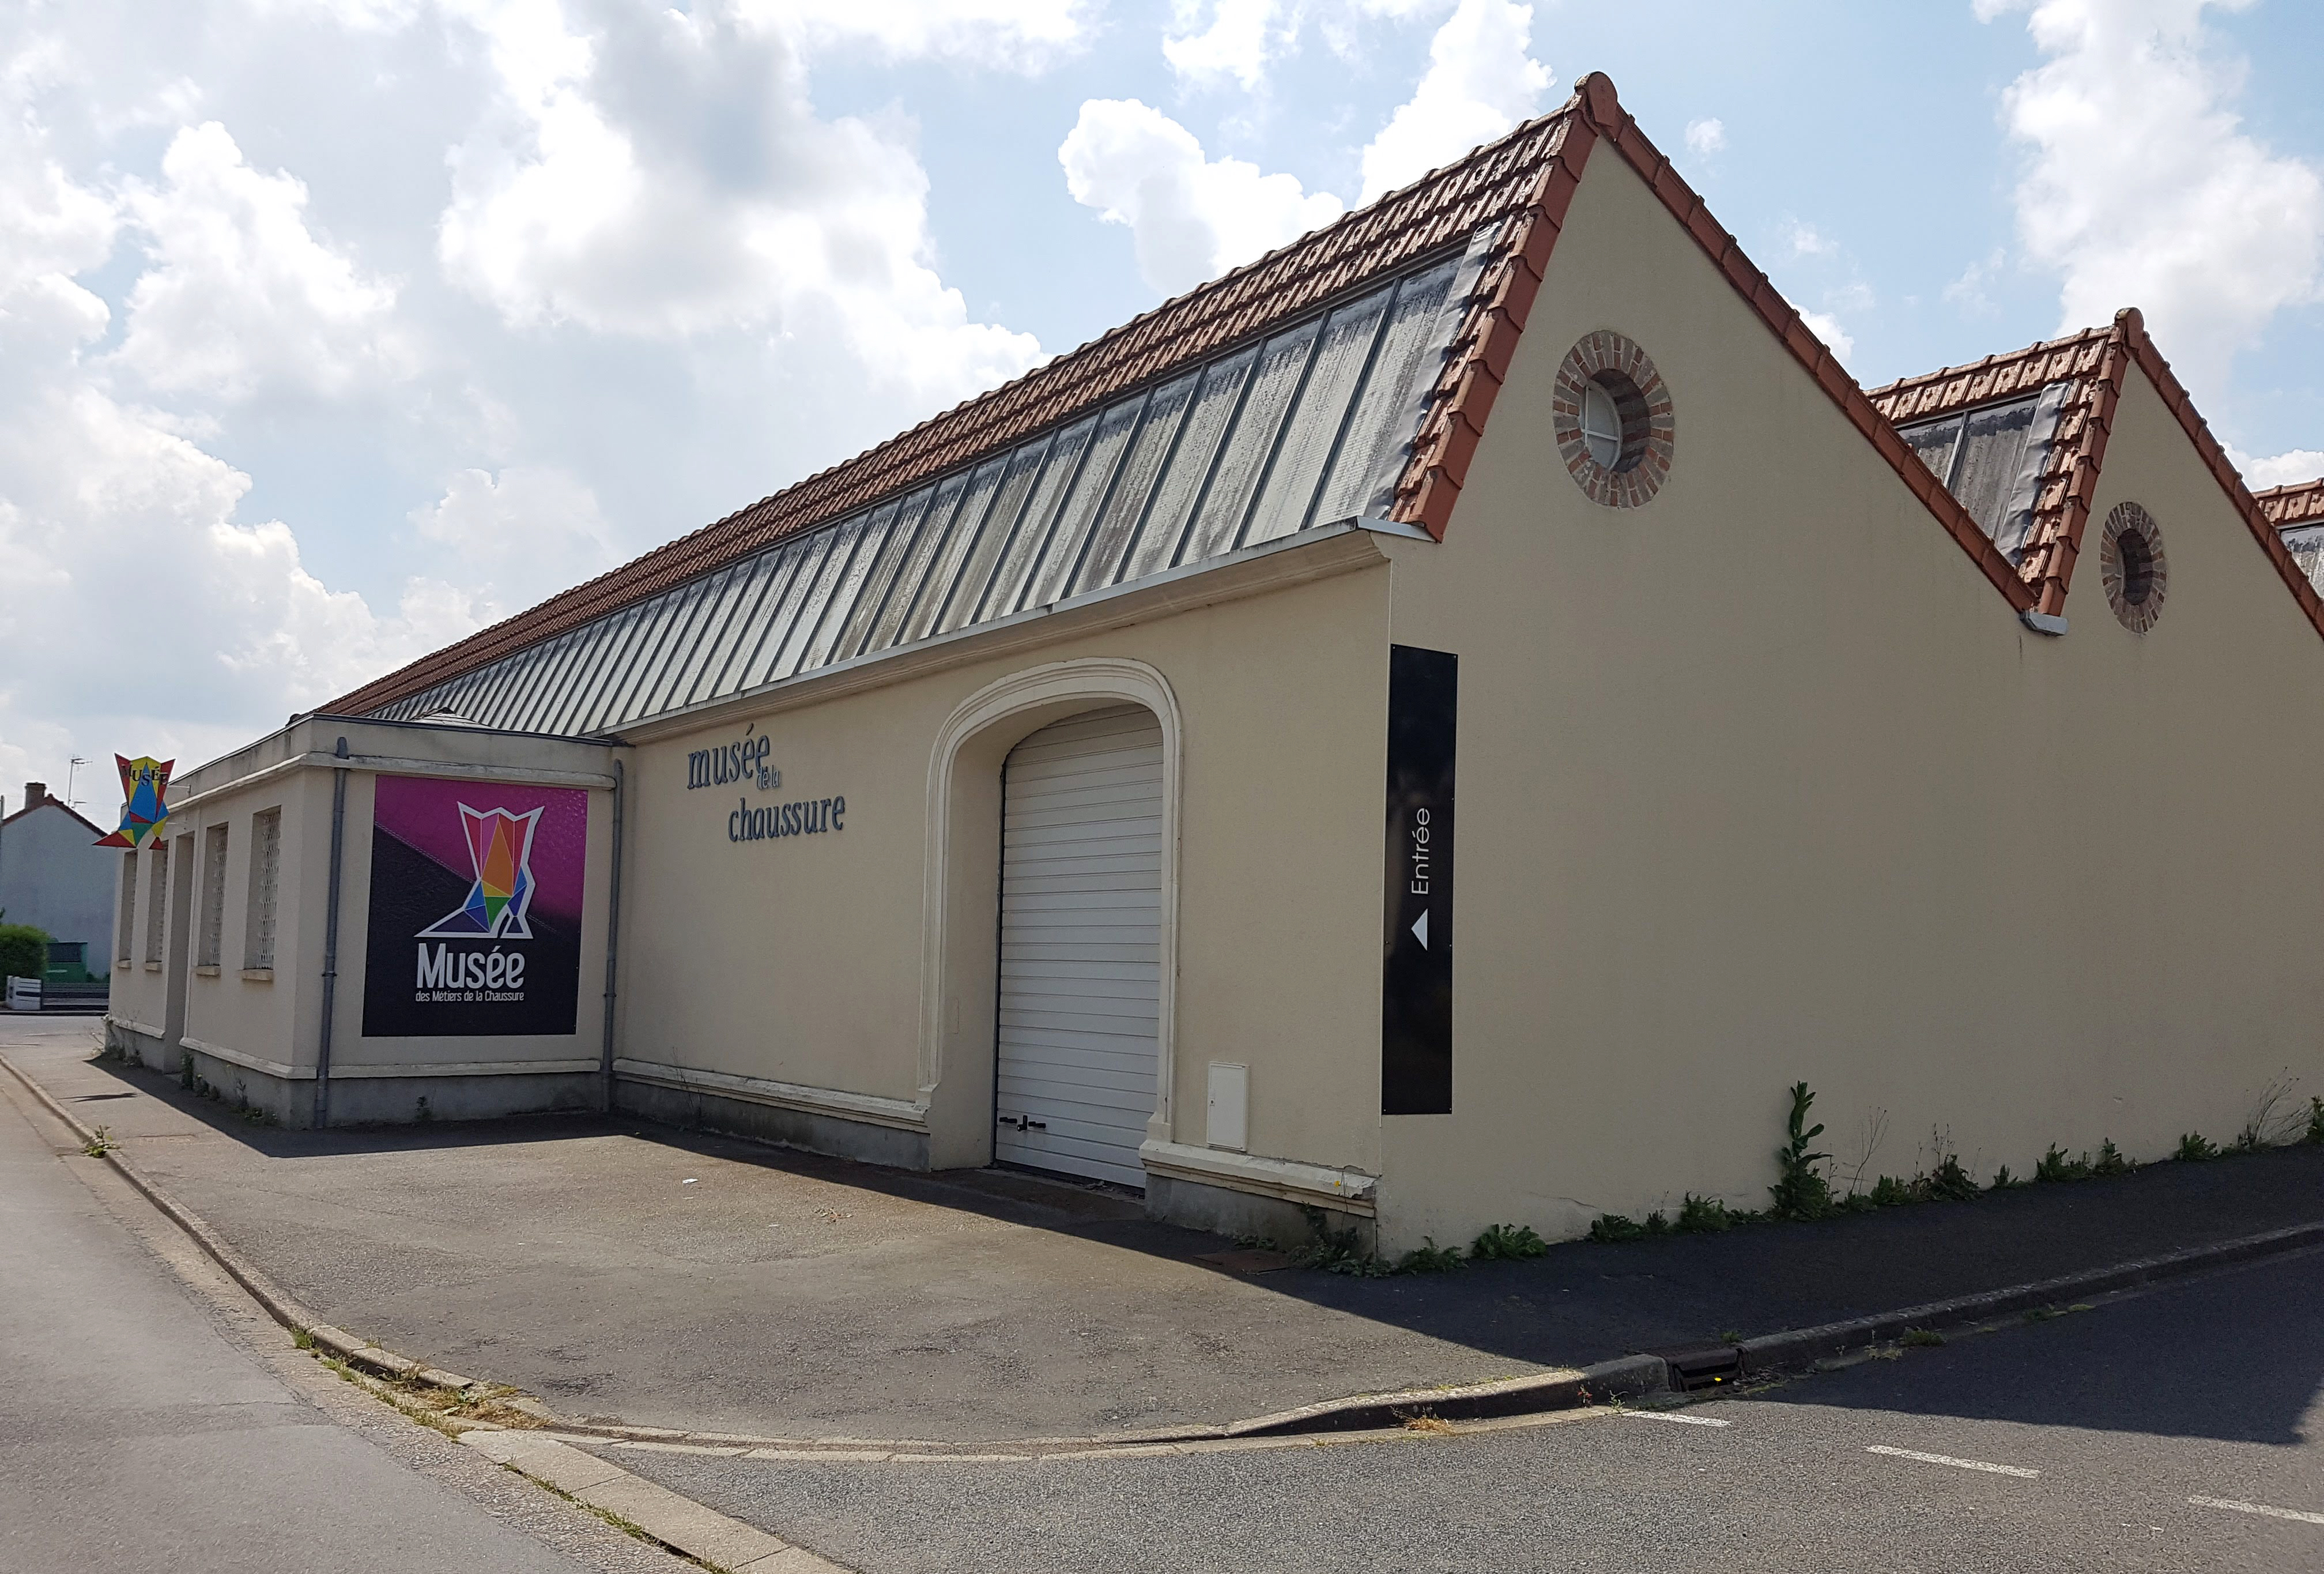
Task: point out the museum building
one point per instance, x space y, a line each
1443 725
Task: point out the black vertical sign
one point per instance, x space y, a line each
1423 708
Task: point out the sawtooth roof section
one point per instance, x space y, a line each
1434 213
2090 365
2094 363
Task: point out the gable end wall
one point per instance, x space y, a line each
1762 781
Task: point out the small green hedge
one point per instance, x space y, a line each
24 950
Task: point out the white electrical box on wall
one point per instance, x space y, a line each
1227 1124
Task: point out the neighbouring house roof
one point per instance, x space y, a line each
56 803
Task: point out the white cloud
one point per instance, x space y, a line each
2283 470
1481 82
1706 137
1018 34
1807 241
1236 46
1968 294
663 176
2143 189
1826 327
238 294
510 539
1191 217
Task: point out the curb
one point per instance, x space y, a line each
1797 1347
281 1306
678 1523
1626 1377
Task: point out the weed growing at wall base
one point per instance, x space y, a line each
1506 1243
1799 1191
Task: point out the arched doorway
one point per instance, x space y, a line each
1077 1042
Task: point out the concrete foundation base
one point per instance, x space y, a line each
1247 1215
768 1123
290 1101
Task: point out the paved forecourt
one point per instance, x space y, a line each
631 1273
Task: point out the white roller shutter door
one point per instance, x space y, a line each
1081 945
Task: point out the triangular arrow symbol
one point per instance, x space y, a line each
1420 930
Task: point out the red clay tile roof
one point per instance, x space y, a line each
1526 180
2301 503
1446 206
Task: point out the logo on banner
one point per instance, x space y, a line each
144 800
499 845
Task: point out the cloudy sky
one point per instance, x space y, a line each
331 329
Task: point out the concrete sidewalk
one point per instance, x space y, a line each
624 1272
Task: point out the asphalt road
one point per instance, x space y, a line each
150 1419
2103 1424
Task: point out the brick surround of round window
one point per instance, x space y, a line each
1612 367
2132 566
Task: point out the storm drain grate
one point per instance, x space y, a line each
1702 1366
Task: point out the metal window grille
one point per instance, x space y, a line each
157 897
125 923
213 895
265 869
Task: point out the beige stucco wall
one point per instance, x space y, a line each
1764 781
801 960
273 1025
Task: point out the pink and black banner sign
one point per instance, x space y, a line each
475 909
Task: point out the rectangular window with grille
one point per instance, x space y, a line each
213 897
157 897
265 868
125 923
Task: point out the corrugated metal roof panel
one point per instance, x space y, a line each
1307 428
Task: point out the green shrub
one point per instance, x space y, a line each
24 950
2194 1148
1949 1182
1890 1192
2056 1166
1506 1243
1430 1258
1703 1215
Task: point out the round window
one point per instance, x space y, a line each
1612 417
2132 566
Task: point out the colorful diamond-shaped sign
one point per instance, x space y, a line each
144 800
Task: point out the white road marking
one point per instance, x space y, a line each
1949 1459
1677 1416
2302 1515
